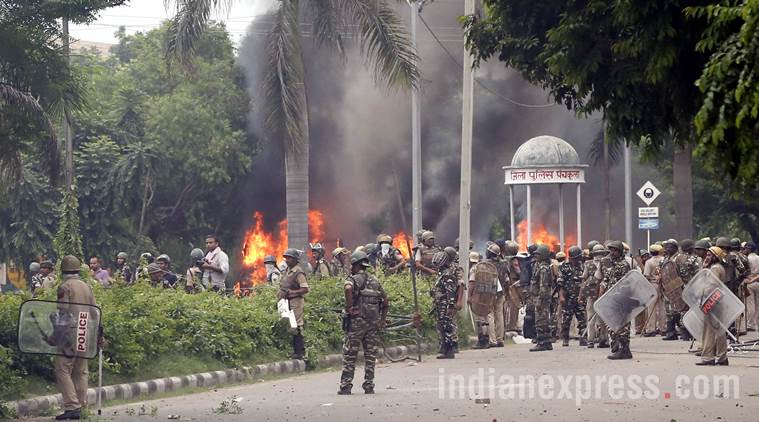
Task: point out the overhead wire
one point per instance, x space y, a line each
476 80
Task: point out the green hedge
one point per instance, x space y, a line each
145 325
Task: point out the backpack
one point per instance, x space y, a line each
367 296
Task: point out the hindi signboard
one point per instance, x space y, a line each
531 175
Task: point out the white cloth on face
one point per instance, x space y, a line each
219 259
753 263
385 248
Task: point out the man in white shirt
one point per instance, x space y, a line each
216 265
752 282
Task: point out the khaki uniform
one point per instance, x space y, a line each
294 278
71 372
513 296
656 313
715 339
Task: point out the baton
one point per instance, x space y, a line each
412 264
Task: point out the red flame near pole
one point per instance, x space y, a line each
541 236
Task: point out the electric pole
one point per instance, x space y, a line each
416 139
467 117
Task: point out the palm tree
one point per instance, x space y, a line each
383 41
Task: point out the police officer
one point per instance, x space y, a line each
714 338
424 254
46 274
541 287
569 294
293 286
513 294
496 318
321 266
389 259
483 287
71 372
340 262
612 273
366 304
448 294
194 274
36 280
589 294
123 270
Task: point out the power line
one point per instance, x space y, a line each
479 82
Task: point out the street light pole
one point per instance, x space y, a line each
467 117
416 138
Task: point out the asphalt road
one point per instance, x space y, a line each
661 383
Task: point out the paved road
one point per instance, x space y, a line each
585 388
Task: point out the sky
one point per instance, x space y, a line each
144 15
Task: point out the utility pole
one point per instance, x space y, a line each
467 117
628 198
416 139
69 158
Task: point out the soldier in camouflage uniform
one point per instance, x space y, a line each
735 272
340 262
389 259
541 288
366 306
123 270
448 294
611 275
687 265
569 284
423 256
589 294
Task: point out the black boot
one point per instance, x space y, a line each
455 347
603 344
482 342
583 341
614 346
447 353
299 347
685 335
542 346
671 330
623 352
70 415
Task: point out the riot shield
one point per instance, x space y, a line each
625 300
705 292
525 270
693 320
59 328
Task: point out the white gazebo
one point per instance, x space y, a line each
546 160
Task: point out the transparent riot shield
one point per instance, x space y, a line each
707 294
59 328
694 323
625 300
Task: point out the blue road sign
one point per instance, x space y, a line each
648 224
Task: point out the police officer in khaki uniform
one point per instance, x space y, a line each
71 372
293 286
425 253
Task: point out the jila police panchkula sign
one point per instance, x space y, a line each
519 176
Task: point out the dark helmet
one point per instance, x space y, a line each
616 244
493 249
197 254
360 257
153 268
501 244
46 264
670 243
575 252
371 248
292 253
148 257
723 243
591 244
599 249
532 249
735 244
70 264
543 251
163 257
451 251
269 259
702 244
687 245
751 246
441 259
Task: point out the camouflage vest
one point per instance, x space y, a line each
446 286
571 279
368 296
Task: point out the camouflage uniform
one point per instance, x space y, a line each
363 332
571 278
541 288
392 259
321 268
124 272
339 269
590 294
36 282
687 266
445 297
611 275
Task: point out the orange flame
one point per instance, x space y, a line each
237 290
258 243
541 236
401 241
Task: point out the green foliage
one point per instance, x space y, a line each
144 325
68 240
728 120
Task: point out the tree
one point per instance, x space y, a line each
636 62
728 120
383 42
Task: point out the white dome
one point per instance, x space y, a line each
545 151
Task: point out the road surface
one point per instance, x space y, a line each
661 383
